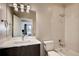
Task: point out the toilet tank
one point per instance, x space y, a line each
49 45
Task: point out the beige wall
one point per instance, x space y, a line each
72 27
43 16
49 21
42 24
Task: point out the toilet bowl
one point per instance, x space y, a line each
49 47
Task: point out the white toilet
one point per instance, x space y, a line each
49 47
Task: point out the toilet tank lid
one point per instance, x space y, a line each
51 41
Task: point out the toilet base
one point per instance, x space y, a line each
53 53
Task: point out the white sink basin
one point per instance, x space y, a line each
22 42
17 41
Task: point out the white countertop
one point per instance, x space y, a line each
17 42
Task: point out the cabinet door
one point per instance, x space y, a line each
31 50
15 51
35 50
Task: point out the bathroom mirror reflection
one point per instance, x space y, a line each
23 23
22 26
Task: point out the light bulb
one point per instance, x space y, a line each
28 7
27 11
22 10
14 5
22 7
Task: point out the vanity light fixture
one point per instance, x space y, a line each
28 8
22 7
14 5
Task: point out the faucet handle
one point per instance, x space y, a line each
61 43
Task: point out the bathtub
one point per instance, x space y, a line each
69 52
51 50
63 52
54 53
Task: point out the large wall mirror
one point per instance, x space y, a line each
23 23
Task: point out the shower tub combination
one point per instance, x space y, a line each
60 51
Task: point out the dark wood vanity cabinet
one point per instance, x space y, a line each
31 50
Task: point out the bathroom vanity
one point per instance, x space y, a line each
30 50
28 47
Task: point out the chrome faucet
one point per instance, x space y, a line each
23 37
